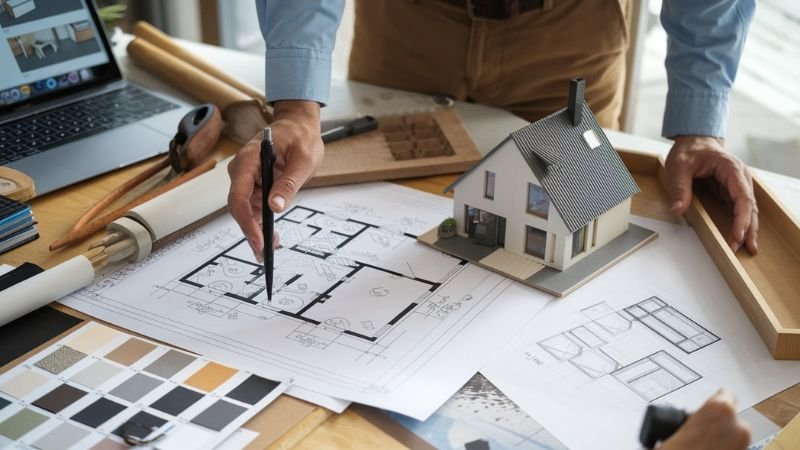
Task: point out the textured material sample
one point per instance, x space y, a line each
130 351
252 390
61 437
210 377
135 387
96 374
177 400
169 364
23 384
98 412
218 415
59 398
60 360
21 423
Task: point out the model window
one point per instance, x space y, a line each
578 241
535 241
488 187
538 200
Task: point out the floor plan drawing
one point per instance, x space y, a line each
661 327
609 343
360 311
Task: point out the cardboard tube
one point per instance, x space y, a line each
163 41
48 286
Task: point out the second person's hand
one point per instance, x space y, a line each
299 150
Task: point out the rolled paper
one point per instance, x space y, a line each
46 287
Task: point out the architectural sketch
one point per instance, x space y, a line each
610 343
360 311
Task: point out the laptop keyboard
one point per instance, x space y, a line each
32 135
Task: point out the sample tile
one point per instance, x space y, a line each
108 444
135 387
187 436
4 403
96 337
219 415
169 364
61 437
98 413
59 398
176 401
140 425
96 374
252 390
130 351
60 360
23 384
210 377
21 423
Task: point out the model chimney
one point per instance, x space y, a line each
575 105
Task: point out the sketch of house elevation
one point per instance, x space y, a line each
611 343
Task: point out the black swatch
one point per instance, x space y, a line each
176 401
98 413
252 390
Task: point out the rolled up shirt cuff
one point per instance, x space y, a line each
703 113
297 74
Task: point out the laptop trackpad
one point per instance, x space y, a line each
111 150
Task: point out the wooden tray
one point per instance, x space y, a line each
411 145
766 284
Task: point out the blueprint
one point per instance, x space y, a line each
659 327
360 311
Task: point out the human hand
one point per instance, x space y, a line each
299 150
703 157
713 426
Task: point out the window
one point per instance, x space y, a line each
538 200
488 185
579 241
535 241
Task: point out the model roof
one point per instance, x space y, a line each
582 182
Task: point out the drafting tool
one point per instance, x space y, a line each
268 217
198 133
660 422
356 127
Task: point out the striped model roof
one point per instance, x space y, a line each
582 182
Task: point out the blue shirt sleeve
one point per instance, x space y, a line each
704 45
300 35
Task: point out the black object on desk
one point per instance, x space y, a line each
660 422
358 126
268 217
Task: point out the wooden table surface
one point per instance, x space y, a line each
56 212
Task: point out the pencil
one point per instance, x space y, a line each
268 217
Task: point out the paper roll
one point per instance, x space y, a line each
48 286
188 203
244 115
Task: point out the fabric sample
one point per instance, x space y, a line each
60 360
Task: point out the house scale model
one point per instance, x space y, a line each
553 198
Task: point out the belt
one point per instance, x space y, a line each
496 9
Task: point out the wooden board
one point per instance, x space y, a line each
765 284
412 145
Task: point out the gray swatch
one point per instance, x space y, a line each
60 360
63 436
219 415
176 401
169 364
96 374
135 387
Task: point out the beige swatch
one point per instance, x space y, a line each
130 351
23 384
91 340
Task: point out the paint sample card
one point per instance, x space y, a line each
98 386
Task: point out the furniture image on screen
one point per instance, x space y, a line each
17 8
81 31
40 46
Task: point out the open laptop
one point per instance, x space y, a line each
66 114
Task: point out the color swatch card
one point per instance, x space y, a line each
102 389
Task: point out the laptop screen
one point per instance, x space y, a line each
49 47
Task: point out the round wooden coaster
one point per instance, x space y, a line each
16 185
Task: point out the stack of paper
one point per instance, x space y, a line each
17 225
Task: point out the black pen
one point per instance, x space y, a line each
358 126
268 217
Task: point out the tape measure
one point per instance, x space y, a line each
16 185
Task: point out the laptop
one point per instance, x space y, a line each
66 113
